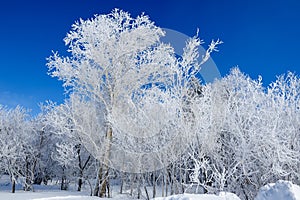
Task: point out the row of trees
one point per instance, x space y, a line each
137 113
245 136
249 135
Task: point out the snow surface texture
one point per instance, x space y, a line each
281 190
57 195
44 196
72 196
221 196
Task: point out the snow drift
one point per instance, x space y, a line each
279 191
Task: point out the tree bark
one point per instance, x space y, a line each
154 185
163 184
81 169
13 188
64 184
80 182
28 176
122 183
98 182
166 181
139 186
146 191
104 183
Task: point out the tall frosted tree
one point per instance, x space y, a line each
137 82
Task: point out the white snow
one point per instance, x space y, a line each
281 190
56 195
221 196
44 196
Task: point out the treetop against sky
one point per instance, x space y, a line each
260 37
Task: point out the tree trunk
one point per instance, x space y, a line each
64 184
13 188
33 169
131 184
180 176
154 185
184 177
108 188
81 168
163 184
101 183
122 183
139 186
28 176
98 182
79 183
166 181
172 176
146 191
104 183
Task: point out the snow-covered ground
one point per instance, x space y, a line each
222 196
58 195
55 195
281 190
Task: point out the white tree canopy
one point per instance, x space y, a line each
120 64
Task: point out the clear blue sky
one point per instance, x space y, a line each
261 37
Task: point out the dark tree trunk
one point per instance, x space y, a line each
154 185
108 189
13 187
81 167
166 181
64 184
79 184
122 184
147 194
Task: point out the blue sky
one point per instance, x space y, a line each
261 37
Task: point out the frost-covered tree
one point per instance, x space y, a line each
229 127
248 134
47 169
33 143
281 123
119 63
16 148
70 122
